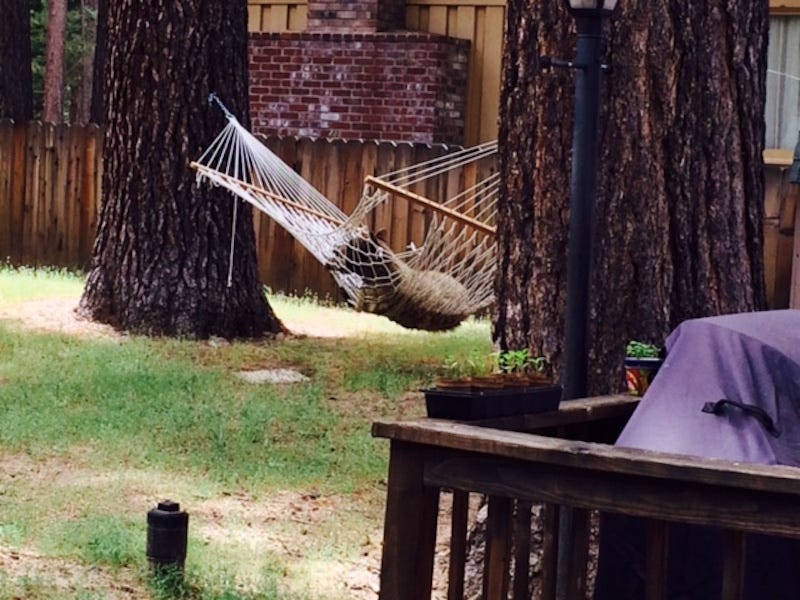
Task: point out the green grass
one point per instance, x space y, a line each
125 421
17 285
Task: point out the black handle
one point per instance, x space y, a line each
758 413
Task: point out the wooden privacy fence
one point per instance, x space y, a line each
50 195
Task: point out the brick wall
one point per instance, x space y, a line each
399 86
343 16
356 16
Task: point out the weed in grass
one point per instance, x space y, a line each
385 381
170 584
175 585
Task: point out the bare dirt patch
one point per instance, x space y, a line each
66 577
57 315
54 315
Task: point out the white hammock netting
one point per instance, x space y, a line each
434 286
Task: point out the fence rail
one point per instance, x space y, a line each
50 182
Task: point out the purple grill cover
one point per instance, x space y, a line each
752 359
749 358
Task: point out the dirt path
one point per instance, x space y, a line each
58 315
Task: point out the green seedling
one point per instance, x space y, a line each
636 349
519 361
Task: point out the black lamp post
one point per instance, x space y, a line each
589 15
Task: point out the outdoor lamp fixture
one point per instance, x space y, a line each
600 8
589 16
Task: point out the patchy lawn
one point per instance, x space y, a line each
283 483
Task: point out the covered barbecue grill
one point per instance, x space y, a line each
729 389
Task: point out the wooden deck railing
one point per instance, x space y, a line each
428 456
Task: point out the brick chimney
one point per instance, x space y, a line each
355 16
354 73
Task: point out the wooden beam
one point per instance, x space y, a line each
776 157
409 533
254 188
657 555
657 495
522 550
784 7
734 565
577 555
458 545
457 216
474 3
498 549
600 458
550 534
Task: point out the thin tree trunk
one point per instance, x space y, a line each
160 262
82 102
678 230
52 111
97 109
16 83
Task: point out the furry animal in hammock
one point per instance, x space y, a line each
366 255
418 299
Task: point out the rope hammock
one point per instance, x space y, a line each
434 286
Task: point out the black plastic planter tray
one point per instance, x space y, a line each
474 404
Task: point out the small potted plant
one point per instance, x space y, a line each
642 362
502 384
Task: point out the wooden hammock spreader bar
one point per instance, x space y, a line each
393 189
202 168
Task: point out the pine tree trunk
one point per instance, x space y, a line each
52 112
97 109
16 83
678 230
160 261
82 102
535 143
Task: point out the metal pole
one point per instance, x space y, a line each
579 249
581 208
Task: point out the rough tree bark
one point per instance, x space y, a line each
160 260
680 183
52 111
16 82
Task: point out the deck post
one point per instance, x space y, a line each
409 534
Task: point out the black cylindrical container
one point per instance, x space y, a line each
167 533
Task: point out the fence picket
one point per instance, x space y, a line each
6 177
